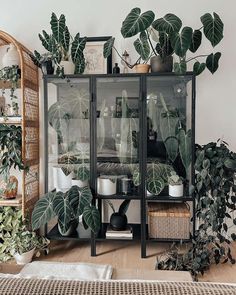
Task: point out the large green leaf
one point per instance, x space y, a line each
198 68
185 148
180 68
84 200
135 22
77 48
107 48
43 210
58 27
62 209
136 178
212 62
213 28
164 48
172 147
73 196
46 40
142 46
196 41
155 186
82 173
67 161
169 23
92 218
181 41
80 65
66 39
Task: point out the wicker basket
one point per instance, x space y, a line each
169 220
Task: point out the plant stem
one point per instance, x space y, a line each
150 42
195 57
128 64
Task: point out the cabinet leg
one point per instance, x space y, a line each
93 246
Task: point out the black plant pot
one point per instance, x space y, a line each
47 68
118 222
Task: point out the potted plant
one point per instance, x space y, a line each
161 38
106 185
25 243
63 47
176 187
69 207
10 156
44 61
118 220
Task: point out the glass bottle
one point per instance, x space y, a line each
126 60
116 69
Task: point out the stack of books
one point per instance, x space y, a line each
119 234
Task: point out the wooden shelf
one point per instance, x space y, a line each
11 120
11 202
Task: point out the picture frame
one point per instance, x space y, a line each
93 53
133 107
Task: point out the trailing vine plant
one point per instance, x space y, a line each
12 76
215 193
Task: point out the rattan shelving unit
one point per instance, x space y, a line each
29 121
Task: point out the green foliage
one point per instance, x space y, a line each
67 207
61 45
185 147
175 179
10 145
215 190
173 39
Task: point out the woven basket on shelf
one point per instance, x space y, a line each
169 220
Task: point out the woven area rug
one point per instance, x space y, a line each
66 271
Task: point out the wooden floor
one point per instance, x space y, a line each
122 255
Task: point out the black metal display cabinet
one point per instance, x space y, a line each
131 132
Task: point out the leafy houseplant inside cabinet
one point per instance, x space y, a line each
132 131
19 123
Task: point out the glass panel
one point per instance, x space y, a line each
169 117
68 133
117 135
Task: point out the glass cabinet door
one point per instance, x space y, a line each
169 139
118 116
68 133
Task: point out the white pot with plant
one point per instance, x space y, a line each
81 176
67 52
176 187
61 180
106 185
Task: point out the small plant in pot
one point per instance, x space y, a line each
81 176
45 62
69 207
118 220
176 187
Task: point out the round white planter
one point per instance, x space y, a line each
61 182
106 185
11 57
25 257
79 183
176 190
69 67
82 232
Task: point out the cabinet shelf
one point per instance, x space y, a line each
54 234
169 198
118 197
12 120
136 228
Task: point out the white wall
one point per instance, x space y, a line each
216 99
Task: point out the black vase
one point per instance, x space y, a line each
118 222
47 68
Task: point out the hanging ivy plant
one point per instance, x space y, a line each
215 192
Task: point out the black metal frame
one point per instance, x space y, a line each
140 229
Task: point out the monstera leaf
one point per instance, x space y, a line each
107 48
185 148
196 41
43 211
92 218
142 46
155 186
213 28
181 41
212 62
135 22
58 27
169 23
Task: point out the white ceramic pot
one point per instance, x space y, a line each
11 57
106 185
61 182
82 232
79 183
176 190
69 67
70 230
25 257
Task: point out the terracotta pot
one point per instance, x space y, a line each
10 188
142 68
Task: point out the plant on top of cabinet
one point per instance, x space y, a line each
215 190
169 40
10 156
63 47
68 207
